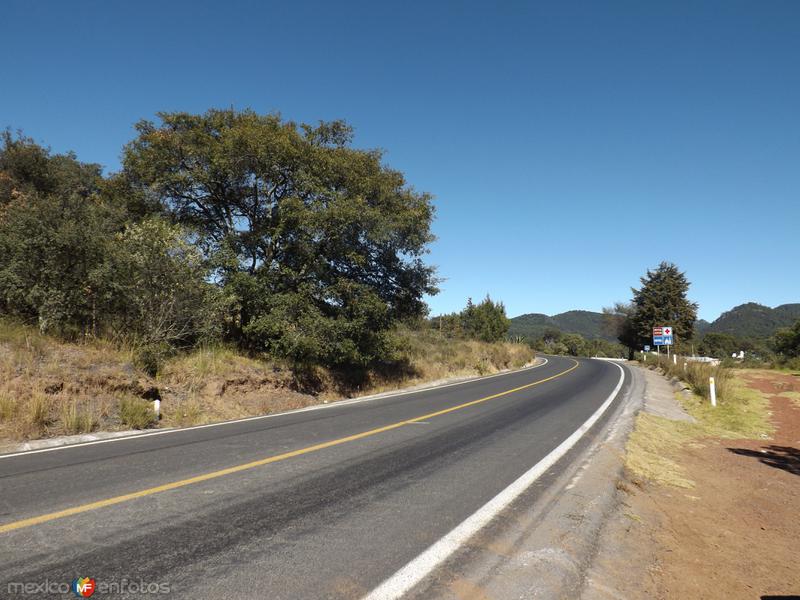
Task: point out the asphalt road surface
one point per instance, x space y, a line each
324 503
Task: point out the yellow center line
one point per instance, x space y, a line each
257 463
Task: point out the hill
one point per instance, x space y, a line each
753 320
750 320
585 322
701 327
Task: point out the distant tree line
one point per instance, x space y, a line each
553 341
485 321
230 225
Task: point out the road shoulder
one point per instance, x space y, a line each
542 544
726 528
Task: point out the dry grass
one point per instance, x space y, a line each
49 387
216 383
433 357
697 374
77 419
651 448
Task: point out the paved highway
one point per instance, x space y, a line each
325 503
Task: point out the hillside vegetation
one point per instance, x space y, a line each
227 227
588 324
752 320
238 264
50 387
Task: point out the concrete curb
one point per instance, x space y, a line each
67 440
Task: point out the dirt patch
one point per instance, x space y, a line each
734 535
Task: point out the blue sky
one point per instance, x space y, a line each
569 146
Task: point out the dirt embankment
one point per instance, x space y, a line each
732 532
50 388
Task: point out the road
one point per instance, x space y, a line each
323 503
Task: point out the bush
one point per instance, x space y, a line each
150 357
787 341
159 297
793 364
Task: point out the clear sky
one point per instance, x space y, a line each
569 146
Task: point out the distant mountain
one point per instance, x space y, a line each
755 320
585 322
749 320
701 326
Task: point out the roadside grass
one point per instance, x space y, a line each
649 446
50 387
433 356
743 413
77 419
696 375
195 368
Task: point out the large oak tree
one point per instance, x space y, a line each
320 243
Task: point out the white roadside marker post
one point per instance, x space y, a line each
713 389
674 359
157 408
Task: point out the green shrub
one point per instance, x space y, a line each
151 357
136 413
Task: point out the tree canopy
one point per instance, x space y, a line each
77 263
320 243
485 321
279 237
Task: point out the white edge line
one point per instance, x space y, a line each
415 571
334 404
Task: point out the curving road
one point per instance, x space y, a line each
324 503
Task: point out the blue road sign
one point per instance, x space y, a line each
646 348
662 340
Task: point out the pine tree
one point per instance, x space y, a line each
662 300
